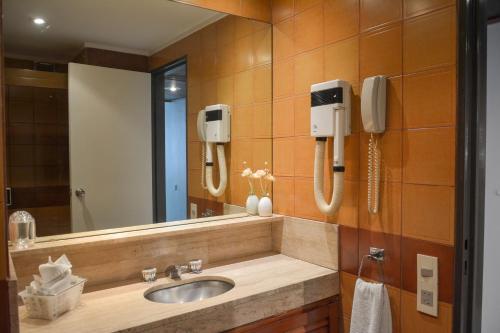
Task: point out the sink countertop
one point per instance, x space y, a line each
263 287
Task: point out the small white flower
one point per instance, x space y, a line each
269 177
246 173
259 174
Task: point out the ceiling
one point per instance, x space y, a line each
133 26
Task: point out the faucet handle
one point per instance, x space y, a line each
175 271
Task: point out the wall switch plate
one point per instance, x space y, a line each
193 211
427 284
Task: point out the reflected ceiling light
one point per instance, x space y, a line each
39 21
173 88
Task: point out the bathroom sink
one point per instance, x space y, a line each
189 291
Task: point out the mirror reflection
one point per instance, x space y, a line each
122 113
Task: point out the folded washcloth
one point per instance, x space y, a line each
54 277
371 311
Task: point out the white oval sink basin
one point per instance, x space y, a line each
191 291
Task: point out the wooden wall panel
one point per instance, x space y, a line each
254 9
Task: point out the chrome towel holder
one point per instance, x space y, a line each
378 255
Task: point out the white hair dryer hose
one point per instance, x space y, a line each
221 157
338 164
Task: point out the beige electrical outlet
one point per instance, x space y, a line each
427 284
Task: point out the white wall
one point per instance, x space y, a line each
491 271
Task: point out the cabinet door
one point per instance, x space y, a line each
318 317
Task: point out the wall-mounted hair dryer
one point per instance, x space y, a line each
214 126
330 117
373 108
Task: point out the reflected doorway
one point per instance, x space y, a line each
170 138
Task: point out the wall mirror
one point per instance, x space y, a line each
102 111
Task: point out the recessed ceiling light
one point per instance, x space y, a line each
38 21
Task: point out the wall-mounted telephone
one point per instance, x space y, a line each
373 110
214 126
330 117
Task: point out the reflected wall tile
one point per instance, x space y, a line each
283 118
262 120
262 46
262 84
243 88
418 7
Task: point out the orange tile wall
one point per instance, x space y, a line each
228 62
413 43
254 9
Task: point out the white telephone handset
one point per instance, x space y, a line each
373 109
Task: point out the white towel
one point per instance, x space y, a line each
371 310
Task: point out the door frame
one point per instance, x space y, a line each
473 16
158 137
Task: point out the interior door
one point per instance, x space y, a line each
110 147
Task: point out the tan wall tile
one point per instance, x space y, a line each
283 39
394 115
262 84
262 127
302 112
380 52
244 53
390 152
376 13
342 61
429 213
429 40
262 46
283 118
429 98
308 29
283 156
341 19
429 156
308 69
305 206
388 218
281 9
283 81
301 5
413 321
418 7
243 88
283 195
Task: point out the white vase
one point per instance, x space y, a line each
265 207
252 204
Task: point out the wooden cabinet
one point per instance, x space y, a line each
319 317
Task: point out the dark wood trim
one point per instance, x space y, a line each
113 59
470 165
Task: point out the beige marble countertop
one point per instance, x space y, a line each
263 287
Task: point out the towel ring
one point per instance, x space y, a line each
378 256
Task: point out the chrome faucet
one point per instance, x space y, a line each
175 271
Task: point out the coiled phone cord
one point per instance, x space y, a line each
203 161
373 175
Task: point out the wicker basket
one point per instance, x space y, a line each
51 307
